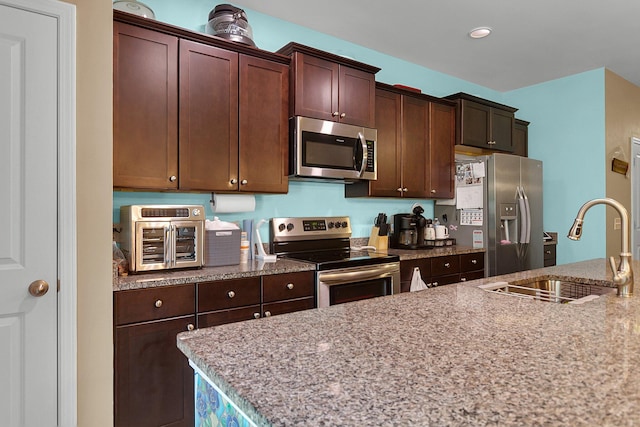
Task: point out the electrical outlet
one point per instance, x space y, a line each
616 224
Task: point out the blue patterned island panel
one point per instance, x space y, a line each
214 408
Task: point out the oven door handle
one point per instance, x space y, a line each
350 276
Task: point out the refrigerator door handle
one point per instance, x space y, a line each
523 215
527 237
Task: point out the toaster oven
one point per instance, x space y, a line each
161 237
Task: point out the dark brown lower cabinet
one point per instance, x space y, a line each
443 270
153 381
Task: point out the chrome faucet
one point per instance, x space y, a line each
623 275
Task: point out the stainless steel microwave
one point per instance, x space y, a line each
323 149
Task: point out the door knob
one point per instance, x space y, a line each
38 288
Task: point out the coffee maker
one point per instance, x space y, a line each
409 230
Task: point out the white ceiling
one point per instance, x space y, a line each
532 41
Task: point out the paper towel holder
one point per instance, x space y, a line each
257 241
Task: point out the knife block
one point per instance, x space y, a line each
381 243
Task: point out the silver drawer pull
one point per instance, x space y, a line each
463 279
446 264
256 315
474 261
343 115
231 294
190 327
289 286
158 303
267 313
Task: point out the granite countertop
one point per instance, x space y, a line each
255 268
450 355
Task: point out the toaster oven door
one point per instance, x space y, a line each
162 245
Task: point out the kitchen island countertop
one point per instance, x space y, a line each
451 355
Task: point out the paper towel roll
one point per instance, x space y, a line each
225 203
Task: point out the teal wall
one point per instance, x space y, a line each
567 134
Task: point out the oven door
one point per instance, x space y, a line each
357 283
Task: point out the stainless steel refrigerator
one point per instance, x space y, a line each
498 206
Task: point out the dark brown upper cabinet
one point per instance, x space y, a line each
195 112
330 87
484 124
416 137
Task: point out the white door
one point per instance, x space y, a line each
28 191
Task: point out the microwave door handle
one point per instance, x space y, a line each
174 249
365 154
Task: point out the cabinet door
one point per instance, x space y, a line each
145 108
442 136
264 125
208 118
415 147
357 97
406 272
502 130
475 124
153 380
521 138
315 87
388 123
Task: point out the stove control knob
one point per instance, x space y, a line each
344 224
281 227
330 225
338 225
290 226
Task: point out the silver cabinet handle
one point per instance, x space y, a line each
231 294
267 314
405 189
399 189
289 286
474 261
547 252
433 191
335 114
463 279
190 327
233 181
173 178
447 265
158 303
256 315
343 115
243 182
435 283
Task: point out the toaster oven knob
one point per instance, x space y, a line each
231 294
173 178
158 303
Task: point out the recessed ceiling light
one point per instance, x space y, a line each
480 32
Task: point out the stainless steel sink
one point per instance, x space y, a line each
550 289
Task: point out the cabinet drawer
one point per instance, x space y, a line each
290 306
280 287
221 317
141 305
441 266
472 262
445 280
471 275
232 293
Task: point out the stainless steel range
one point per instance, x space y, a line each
342 274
